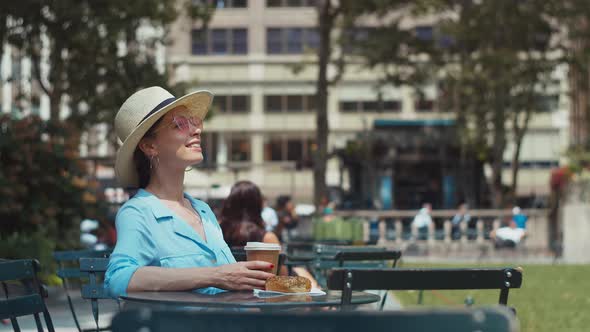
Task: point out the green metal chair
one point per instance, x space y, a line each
94 290
327 258
457 320
348 280
70 273
24 294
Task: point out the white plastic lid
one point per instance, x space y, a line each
262 246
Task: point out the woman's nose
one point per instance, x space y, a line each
195 130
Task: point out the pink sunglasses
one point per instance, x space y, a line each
184 123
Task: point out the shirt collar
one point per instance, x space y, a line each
161 211
158 209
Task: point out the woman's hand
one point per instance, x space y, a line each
243 275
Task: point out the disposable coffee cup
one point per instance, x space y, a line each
267 252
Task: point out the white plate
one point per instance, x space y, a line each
264 293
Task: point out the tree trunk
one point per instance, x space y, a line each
325 21
579 76
518 132
499 144
55 77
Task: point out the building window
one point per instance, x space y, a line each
291 3
220 41
291 40
424 105
370 106
297 149
289 103
239 149
425 33
232 104
221 4
209 141
548 103
355 38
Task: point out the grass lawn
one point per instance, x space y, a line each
552 297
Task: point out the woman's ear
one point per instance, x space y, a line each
148 147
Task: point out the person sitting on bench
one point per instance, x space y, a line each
508 236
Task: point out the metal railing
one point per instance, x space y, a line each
392 231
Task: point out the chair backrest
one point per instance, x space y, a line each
68 262
69 270
485 319
94 290
356 256
29 299
348 280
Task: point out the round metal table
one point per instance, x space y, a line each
245 299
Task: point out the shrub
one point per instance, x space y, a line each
44 189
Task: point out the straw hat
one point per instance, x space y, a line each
138 113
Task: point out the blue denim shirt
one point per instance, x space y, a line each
150 234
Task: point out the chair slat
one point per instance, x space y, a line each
416 279
368 255
75 255
18 269
21 306
94 264
94 292
70 273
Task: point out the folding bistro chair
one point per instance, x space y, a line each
69 270
348 280
94 290
456 320
360 256
23 293
351 257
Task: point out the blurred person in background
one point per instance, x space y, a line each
241 221
423 220
269 215
288 219
519 217
462 216
508 236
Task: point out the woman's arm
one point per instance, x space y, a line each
238 276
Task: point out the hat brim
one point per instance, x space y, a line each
198 104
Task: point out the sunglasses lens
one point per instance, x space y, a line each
182 123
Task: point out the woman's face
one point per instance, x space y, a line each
178 139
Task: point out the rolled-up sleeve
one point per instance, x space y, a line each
135 248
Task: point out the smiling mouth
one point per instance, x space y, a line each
194 146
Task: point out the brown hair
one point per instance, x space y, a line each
241 219
141 161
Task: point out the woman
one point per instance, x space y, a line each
167 240
241 221
241 216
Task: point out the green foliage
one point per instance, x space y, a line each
336 228
44 193
98 52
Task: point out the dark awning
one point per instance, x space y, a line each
387 123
